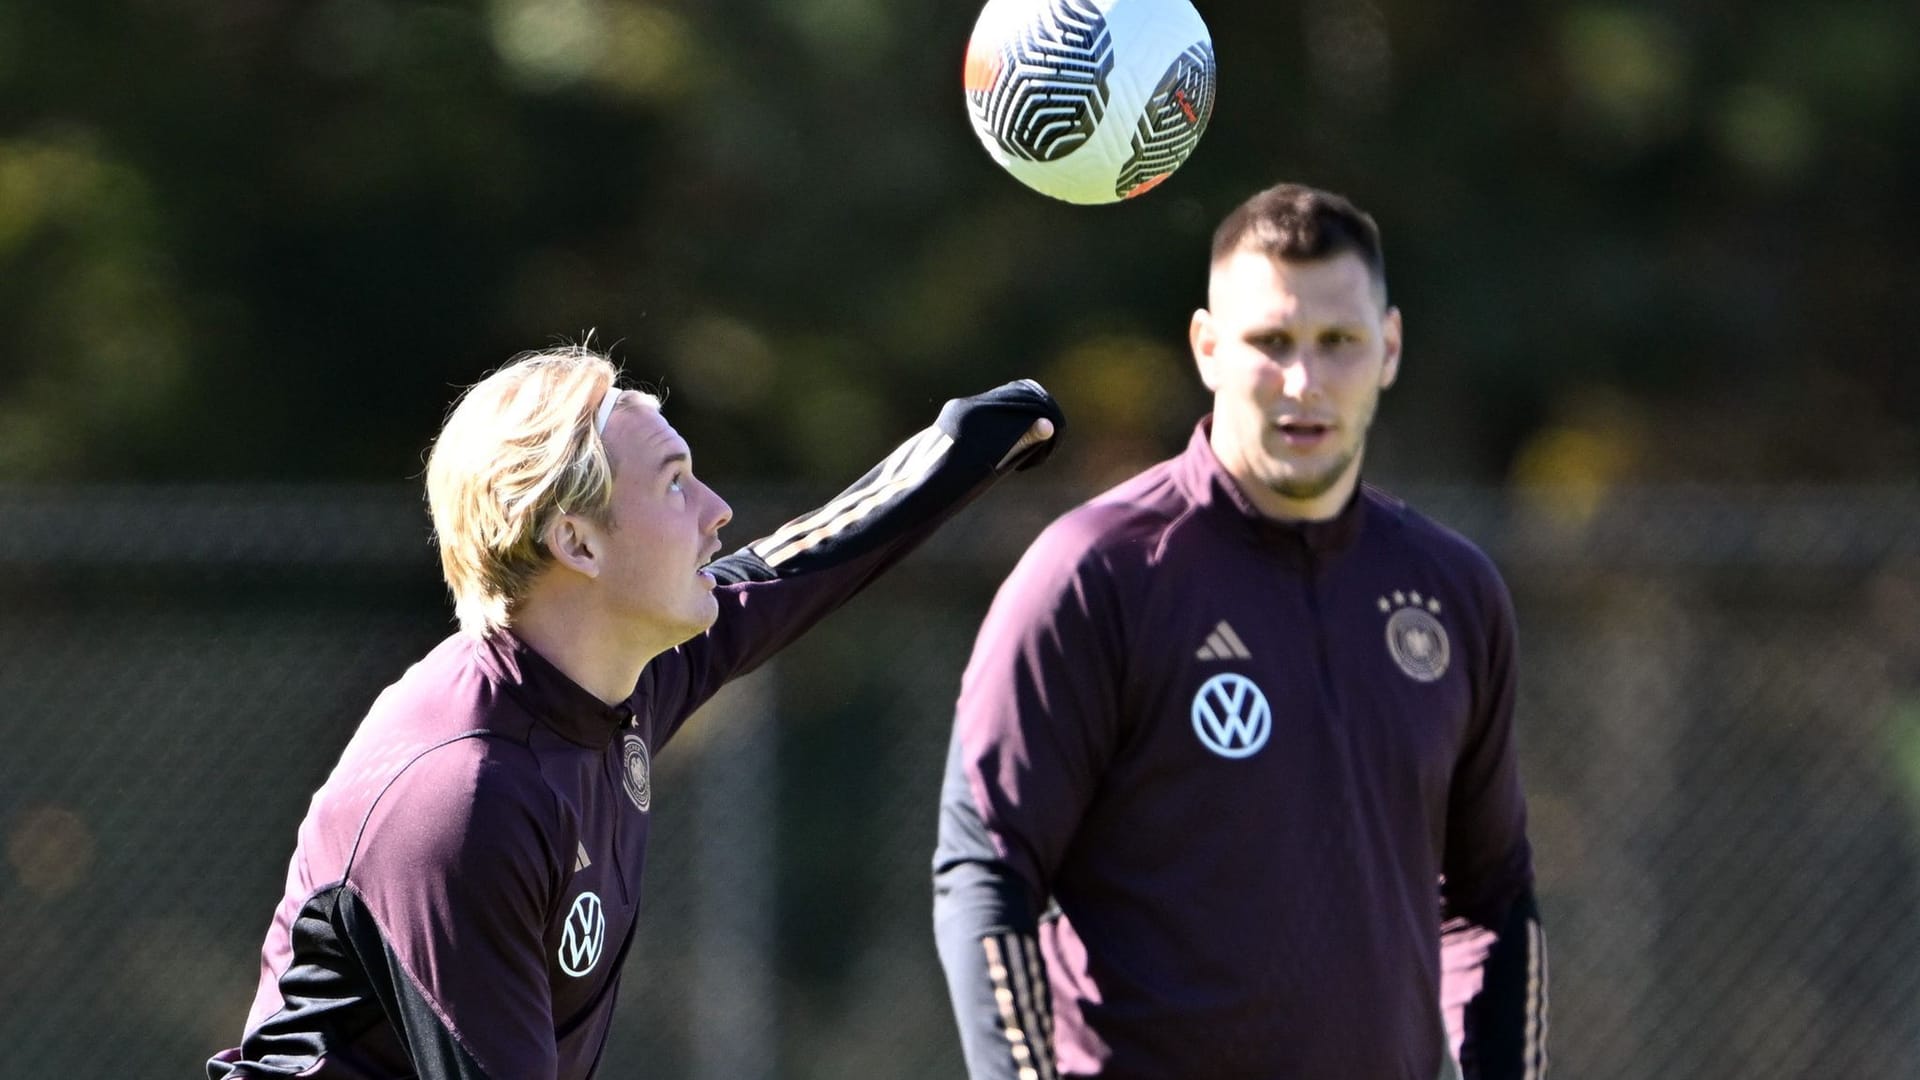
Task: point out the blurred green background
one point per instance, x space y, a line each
1658 264
1677 239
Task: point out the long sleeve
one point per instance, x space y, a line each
777 587
984 928
1036 721
1494 963
1496 994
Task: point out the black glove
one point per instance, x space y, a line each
992 423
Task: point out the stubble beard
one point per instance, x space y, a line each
1301 488
1304 486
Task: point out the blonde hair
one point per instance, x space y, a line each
519 448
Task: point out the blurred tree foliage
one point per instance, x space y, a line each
260 239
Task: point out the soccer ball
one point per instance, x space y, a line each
1090 101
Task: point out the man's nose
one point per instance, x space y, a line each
722 513
1296 377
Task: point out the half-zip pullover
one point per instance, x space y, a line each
467 881
1252 765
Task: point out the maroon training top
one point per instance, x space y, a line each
1240 756
467 880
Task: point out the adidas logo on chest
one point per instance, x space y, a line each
1223 644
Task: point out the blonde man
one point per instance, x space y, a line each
466 882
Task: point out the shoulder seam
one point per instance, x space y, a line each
1167 530
360 831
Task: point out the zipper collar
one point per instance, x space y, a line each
546 692
1216 495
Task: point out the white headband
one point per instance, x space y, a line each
606 409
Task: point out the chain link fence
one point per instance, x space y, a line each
1720 709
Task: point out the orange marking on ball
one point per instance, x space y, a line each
1146 185
983 69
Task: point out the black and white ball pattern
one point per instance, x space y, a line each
1050 85
1175 117
1090 101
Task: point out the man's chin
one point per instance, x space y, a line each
1300 488
1303 483
700 620
709 612
1303 492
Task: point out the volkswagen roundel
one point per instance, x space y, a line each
1232 716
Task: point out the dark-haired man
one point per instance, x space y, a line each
1241 728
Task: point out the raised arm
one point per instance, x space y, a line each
779 586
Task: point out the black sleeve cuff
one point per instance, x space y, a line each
996 978
1505 1025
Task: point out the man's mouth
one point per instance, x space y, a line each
1303 432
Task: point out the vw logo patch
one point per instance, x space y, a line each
638 772
1231 716
584 937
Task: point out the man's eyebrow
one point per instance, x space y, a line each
673 457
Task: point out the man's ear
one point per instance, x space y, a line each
1390 338
1202 338
575 544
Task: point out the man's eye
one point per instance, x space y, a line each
678 482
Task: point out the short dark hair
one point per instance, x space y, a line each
1293 221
